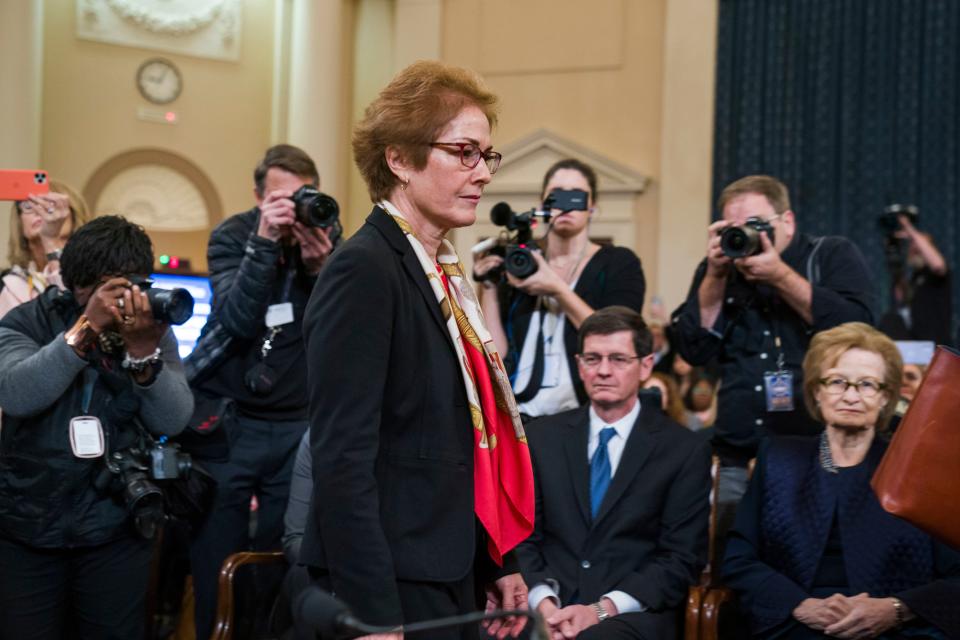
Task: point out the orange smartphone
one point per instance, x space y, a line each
19 184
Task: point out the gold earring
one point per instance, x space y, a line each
403 184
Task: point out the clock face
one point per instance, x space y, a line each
159 81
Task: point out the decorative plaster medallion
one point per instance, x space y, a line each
157 197
170 17
203 28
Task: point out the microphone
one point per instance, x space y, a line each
320 613
317 612
501 214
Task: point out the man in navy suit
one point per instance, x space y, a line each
621 498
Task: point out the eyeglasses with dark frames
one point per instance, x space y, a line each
470 154
867 388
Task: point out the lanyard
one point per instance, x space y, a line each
89 380
273 332
781 358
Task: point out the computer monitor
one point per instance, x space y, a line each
199 287
916 351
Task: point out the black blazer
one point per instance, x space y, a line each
391 436
650 536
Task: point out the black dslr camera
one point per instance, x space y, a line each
744 240
894 248
889 220
316 209
517 254
130 473
169 306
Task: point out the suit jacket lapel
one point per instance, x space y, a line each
639 446
575 446
411 264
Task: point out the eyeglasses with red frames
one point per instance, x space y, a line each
470 154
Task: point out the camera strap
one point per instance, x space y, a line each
536 376
778 385
278 314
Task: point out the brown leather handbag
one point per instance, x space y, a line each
919 476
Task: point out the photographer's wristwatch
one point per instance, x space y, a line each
139 365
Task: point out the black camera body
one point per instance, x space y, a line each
889 220
516 249
167 462
314 208
741 241
169 306
131 473
517 257
894 248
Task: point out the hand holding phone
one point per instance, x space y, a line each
20 184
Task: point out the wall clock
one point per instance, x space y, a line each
159 81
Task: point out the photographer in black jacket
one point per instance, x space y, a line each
87 377
263 264
754 314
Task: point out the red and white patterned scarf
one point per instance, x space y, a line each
503 475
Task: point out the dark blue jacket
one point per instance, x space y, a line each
783 524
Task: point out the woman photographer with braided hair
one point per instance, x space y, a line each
86 374
534 320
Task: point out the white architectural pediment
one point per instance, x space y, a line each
526 160
520 177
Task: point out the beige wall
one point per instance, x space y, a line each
686 158
21 61
622 77
630 79
90 106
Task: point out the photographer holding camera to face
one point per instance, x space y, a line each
757 298
263 264
91 385
536 298
920 293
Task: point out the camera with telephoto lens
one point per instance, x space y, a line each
743 240
130 473
169 306
515 248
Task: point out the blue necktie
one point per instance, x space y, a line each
600 470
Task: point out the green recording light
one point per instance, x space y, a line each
164 259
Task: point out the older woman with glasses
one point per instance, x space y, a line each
422 477
812 554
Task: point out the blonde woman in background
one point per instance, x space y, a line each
39 228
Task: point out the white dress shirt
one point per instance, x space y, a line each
624 602
556 392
